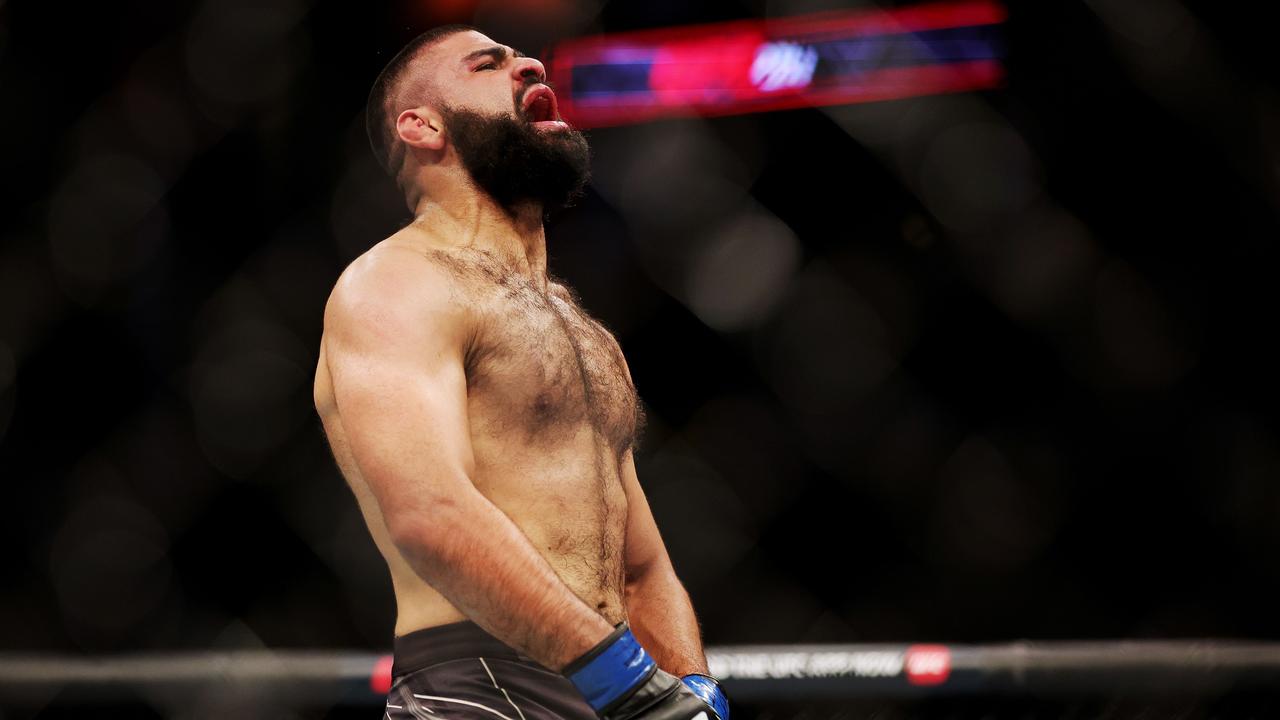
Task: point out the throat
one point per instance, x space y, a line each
511 241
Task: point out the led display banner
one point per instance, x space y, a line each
830 58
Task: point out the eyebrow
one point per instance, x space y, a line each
497 52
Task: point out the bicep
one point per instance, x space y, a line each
400 390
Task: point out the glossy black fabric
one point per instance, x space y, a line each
460 671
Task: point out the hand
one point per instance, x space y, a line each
621 682
708 688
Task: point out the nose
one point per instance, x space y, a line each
529 70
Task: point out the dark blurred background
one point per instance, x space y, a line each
960 368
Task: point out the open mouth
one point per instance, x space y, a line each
540 105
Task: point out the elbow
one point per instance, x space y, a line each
421 532
633 575
637 575
660 568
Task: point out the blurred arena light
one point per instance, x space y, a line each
830 58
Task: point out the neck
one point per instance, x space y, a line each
472 219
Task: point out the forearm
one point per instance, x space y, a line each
475 556
661 616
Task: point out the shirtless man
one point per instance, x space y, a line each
486 423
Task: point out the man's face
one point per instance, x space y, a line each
503 122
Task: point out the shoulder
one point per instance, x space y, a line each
392 289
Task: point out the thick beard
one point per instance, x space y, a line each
512 162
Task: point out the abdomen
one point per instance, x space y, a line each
568 500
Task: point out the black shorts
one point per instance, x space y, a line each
459 671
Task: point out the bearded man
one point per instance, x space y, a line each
486 423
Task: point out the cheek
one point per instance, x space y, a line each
504 100
494 103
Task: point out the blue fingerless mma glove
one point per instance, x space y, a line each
621 682
708 688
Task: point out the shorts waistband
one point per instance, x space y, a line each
442 643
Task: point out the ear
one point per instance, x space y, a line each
421 128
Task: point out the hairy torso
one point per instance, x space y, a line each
552 412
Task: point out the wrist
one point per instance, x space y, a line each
607 672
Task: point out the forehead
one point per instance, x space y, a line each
440 67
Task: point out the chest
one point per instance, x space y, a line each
540 365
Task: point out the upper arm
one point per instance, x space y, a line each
644 549
394 344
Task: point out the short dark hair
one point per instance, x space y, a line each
378 113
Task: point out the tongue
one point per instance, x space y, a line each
540 109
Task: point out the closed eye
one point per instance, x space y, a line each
492 66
